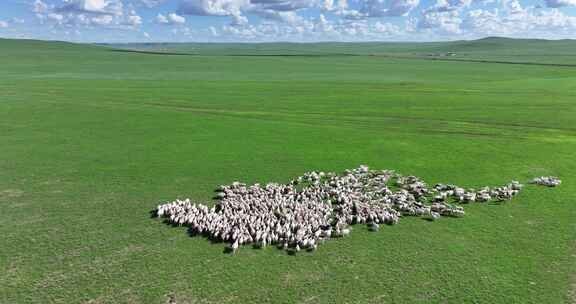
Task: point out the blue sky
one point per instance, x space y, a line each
285 20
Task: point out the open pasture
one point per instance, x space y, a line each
93 139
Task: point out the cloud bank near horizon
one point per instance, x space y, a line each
285 20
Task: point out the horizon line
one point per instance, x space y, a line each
284 41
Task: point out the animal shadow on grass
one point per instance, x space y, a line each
496 203
153 214
193 233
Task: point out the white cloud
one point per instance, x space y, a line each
400 7
386 28
380 8
17 20
334 5
182 32
448 19
170 19
40 7
281 16
288 11
283 5
212 7
239 20
132 19
278 10
479 21
449 5
176 18
323 25
560 3
161 19
317 29
112 7
313 20
3 24
87 13
100 20
213 31
447 22
152 3
55 17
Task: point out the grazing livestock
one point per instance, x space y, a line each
323 206
550 181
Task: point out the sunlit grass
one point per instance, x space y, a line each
92 140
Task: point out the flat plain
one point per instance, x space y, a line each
93 138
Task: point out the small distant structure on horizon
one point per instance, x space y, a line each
448 54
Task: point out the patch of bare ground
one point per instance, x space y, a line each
172 298
572 287
572 294
95 301
310 300
11 193
51 182
380 299
125 296
572 291
11 274
290 280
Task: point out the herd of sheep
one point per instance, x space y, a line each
549 181
318 206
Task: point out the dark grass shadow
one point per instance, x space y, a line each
419 57
150 52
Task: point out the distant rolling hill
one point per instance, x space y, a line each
26 45
491 48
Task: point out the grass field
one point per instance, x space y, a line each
92 139
528 51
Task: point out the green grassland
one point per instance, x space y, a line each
93 138
533 51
